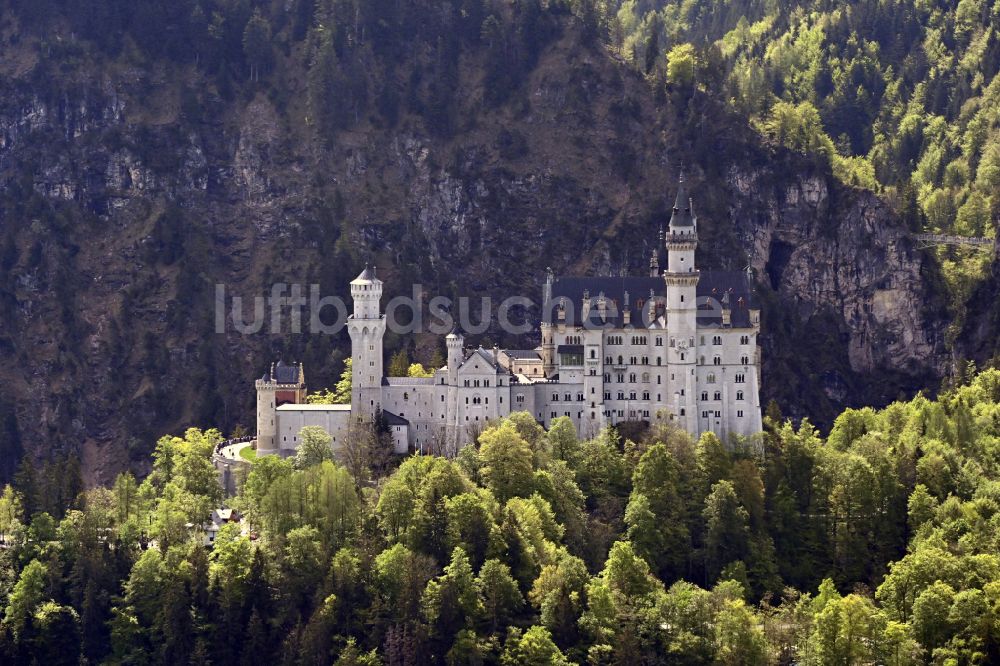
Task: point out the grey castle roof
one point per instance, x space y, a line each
682 215
725 288
283 374
407 381
486 356
526 354
394 419
713 288
367 275
570 349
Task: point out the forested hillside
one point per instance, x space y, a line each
901 97
878 544
151 150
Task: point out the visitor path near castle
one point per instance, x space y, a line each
230 449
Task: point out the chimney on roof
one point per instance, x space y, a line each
627 311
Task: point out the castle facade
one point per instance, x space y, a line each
677 345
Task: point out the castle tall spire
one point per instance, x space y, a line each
681 215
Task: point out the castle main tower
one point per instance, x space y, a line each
682 277
366 328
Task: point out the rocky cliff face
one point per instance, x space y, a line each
978 340
129 194
838 262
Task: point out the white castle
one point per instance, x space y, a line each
675 346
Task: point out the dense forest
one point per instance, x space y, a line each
877 544
900 97
874 543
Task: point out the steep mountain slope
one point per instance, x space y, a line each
900 96
136 182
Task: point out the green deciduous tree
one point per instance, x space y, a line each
315 446
727 532
499 593
681 65
533 648
399 364
506 459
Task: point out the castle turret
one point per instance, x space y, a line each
454 343
552 313
366 328
266 415
681 279
282 384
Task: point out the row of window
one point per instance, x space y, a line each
567 397
717 360
658 340
636 340
475 383
718 395
633 413
619 378
718 414
717 339
631 395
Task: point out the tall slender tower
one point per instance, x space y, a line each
453 428
266 429
548 339
454 342
366 328
682 307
